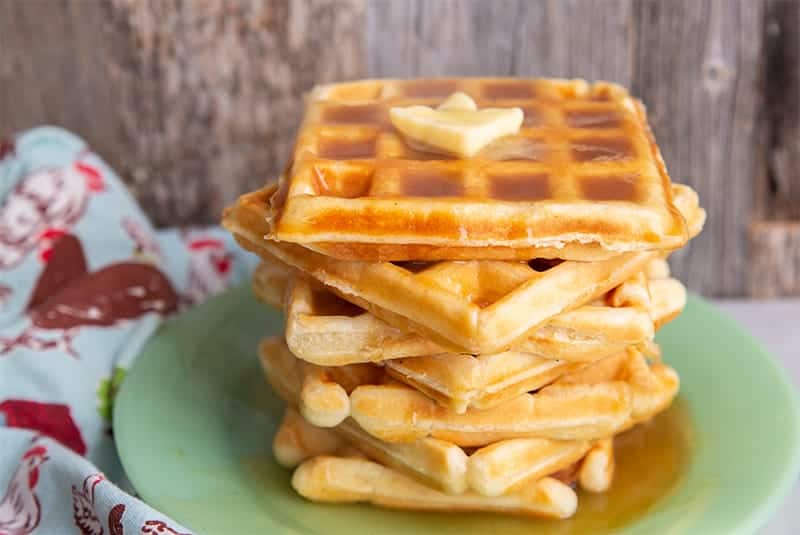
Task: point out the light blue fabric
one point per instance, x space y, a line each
84 282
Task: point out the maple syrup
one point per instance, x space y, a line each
430 183
610 188
602 150
531 187
346 149
510 90
651 460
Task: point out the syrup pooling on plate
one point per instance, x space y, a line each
651 462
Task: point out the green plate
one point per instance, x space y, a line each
194 422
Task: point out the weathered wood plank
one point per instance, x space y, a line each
699 72
194 102
775 265
500 38
780 195
54 69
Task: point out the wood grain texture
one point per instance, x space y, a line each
54 68
775 259
703 94
780 195
499 38
195 102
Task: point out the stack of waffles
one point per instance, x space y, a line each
466 331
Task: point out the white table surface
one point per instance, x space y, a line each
777 325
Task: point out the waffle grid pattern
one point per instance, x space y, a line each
571 146
583 170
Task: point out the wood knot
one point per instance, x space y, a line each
717 75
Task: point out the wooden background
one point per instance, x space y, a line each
196 101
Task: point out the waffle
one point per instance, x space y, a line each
479 307
597 469
653 387
583 172
494 470
395 412
297 440
326 330
460 382
322 393
455 381
340 480
631 390
398 413
491 471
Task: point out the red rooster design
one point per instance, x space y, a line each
7 148
210 267
83 506
83 509
68 297
50 419
43 206
5 295
20 510
157 527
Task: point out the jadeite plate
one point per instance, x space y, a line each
194 422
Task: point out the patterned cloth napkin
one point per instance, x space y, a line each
84 282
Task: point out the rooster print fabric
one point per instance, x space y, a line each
85 280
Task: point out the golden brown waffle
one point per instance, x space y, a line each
398 413
597 469
584 171
500 468
297 440
460 382
326 330
653 387
395 412
456 381
684 198
321 393
342 480
493 470
480 307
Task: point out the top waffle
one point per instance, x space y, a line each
582 179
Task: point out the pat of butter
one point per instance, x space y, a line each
457 126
